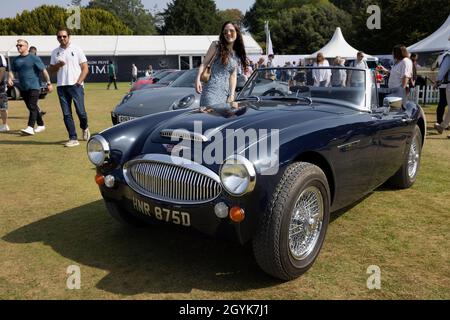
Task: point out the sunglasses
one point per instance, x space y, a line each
61 37
229 31
19 45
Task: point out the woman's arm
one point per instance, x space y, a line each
207 60
233 82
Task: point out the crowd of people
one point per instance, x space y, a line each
69 62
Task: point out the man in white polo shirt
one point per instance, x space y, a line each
71 64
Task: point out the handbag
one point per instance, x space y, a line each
206 74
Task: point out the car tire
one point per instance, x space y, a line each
123 217
301 184
407 174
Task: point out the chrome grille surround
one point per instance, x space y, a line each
172 179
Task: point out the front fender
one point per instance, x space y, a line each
126 139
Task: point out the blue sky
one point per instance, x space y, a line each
18 6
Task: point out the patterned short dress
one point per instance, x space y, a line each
217 90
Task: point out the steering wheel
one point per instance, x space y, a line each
272 92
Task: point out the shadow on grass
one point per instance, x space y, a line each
158 259
16 142
336 214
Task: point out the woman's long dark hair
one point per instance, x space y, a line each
238 46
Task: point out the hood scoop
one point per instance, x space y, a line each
184 134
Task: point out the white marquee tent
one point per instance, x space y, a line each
126 45
436 42
338 46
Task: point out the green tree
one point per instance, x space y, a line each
234 15
296 26
48 19
191 17
131 12
402 21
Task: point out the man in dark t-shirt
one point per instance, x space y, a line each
112 75
28 68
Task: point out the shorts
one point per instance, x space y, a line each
3 101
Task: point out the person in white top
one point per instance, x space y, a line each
322 77
70 63
401 71
134 73
357 78
440 110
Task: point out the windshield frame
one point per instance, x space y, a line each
365 104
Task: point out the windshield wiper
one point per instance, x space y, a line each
306 99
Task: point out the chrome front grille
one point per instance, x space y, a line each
172 179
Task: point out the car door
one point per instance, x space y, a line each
395 129
354 149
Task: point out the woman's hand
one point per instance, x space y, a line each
198 86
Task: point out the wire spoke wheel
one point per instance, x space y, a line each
306 223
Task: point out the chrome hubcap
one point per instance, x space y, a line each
413 159
306 223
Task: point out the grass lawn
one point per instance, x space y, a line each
52 216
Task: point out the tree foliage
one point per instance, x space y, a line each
402 22
194 17
48 19
131 12
234 15
303 26
296 26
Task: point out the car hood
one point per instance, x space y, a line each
265 115
144 102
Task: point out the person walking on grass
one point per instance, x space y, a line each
112 75
28 68
33 51
444 78
70 62
3 96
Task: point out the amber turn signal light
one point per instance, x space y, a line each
99 179
237 214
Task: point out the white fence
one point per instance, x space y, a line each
426 94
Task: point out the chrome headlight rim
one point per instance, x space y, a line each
106 150
251 174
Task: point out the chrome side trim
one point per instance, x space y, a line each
182 134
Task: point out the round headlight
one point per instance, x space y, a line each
238 175
185 102
98 150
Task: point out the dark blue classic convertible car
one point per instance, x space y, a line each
268 168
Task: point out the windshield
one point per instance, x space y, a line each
338 85
162 74
171 76
186 80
